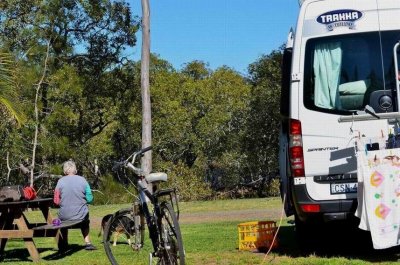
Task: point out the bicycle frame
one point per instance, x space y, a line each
161 217
152 218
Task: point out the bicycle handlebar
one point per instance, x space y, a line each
144 150
130 165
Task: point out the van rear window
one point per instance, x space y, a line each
345 73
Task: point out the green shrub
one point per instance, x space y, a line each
187 181
113 192
273 189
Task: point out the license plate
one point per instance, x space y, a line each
340 188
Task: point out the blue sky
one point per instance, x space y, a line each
219 32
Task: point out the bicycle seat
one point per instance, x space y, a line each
155 177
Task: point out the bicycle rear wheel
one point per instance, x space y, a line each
123 239
172 252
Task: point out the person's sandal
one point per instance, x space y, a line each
89 246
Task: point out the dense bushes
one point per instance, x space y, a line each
113 192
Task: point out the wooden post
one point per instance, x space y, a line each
145 87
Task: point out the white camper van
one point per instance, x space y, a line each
340 96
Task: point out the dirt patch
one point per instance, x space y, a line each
233 215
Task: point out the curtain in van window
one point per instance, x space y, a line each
327 66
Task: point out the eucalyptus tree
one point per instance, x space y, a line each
198 123
261 142
87 42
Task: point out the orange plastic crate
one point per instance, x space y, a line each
257 235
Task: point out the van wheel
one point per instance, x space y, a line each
307 234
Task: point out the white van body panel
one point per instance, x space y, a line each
329 146
388 16
322 131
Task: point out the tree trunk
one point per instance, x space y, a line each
145 87
37 121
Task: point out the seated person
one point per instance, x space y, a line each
73 194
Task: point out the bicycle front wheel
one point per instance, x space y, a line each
123 239
171 252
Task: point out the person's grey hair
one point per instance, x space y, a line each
69 167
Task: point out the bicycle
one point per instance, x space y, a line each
124 234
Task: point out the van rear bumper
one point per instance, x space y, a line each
331 210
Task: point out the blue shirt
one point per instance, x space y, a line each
73 194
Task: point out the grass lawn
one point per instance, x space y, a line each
209 242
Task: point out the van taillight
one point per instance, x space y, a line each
296 149
295 127
311 208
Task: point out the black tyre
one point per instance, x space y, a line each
123 239
172 252
308 235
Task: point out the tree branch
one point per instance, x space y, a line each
47 175
8 167
35 139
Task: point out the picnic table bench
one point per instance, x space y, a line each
14 224
61 231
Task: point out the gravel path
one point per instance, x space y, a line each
232 215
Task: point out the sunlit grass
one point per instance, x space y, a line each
202 206
211 242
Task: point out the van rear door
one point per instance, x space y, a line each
347 64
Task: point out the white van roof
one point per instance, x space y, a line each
323 17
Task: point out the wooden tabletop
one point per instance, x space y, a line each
26 203
13 213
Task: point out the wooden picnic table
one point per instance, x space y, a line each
14 224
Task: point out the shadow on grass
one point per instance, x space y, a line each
338 240
18 255
22 254
72 248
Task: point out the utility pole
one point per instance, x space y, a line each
145 87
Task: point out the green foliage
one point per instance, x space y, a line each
198 118
9 99
196 70
112 192
273 188
85 70
212 130
262 136
188 182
